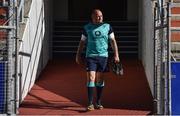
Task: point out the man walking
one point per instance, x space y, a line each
96 36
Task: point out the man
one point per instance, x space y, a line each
96 35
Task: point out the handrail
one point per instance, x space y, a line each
7 27
20 7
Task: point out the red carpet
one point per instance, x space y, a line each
61 90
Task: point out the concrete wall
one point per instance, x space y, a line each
60 9
34 48
48 7
147 46
132 10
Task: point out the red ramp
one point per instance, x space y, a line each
61 89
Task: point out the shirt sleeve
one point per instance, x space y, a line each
111 33
111 36
84 32
83 37
110 30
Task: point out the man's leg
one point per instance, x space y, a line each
90 87
99 89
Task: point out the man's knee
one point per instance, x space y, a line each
91 76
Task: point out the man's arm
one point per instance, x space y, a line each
115 49
79 51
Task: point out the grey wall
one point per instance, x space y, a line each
48 31
49 26
147 45
60 9
132 10
46 47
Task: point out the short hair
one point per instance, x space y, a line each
95 10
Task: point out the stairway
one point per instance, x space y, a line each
66 37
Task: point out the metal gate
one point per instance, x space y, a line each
10 14
162 71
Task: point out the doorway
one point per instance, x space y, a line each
81 9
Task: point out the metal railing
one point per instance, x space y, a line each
162 71
9 26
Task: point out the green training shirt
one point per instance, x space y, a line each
97 36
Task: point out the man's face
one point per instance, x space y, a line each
97 17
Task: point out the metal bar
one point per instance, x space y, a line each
10 79
16 88
164 65
7 27
174 28
20 11
155 68
169 57
158 63
162 58
161 26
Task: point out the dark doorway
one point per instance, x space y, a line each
112 10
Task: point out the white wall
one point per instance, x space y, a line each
147 47
34 53
132 10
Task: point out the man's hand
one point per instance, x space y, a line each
80 49
115 49
116 59
78 59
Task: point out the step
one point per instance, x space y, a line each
82 23
75 47
77 33
73 41
76 43
77 38
80 28
66 36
